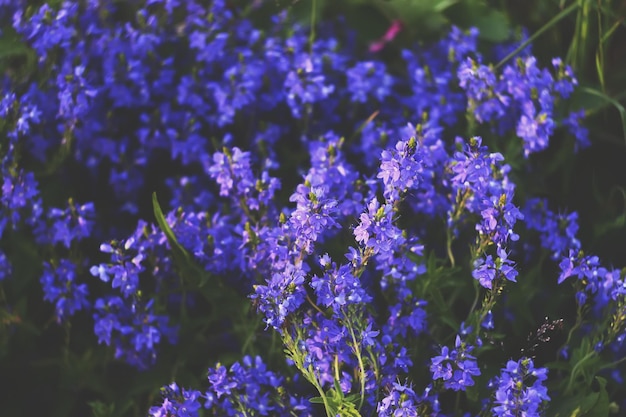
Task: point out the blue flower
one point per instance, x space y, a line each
338 287
5 267
249 388
486 269
574 125
283 293
66 225
557 230
305 86
60 288
367 80
400 168
20 199
520 390
178 402
455 367
132 328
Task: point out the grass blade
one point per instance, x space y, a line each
538 33
615 103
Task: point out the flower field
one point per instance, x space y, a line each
312 208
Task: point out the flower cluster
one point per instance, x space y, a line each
522 97
323 201
520 389
403 401
481 185
455 367
132 327
59 286
65 226
246 388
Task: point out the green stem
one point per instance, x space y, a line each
312 34
612 364
362 126
374 362
357 352
449 240
66 348
315 306
576 53
579 322
615 103
295 354
477 291
313 380
575 369
535 35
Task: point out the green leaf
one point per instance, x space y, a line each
12 47
192 274
601 407
100 409
418 15
187 268
441 5
577 406
301 11
493 26
353 398
600 69
595 404
437 297
348 410
177 248
472 393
